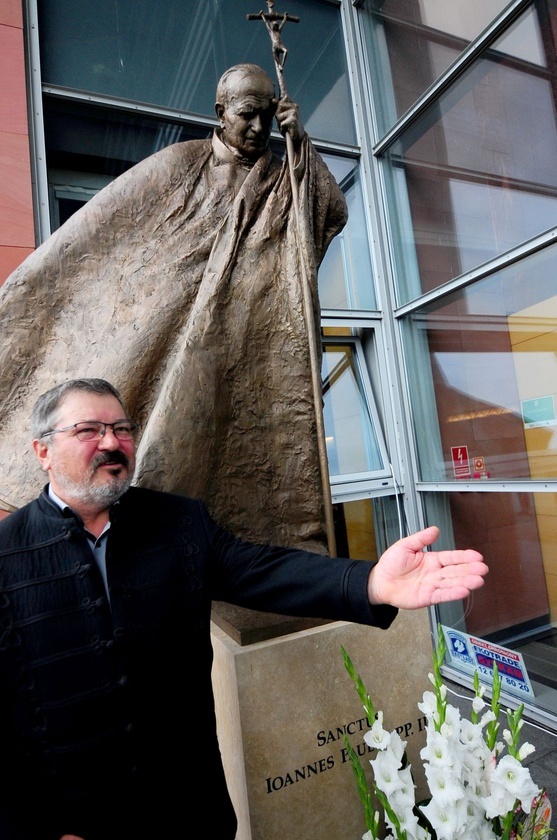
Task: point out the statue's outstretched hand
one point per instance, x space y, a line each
408 577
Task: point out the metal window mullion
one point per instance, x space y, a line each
388 347
489 485
492 32
36 124
525 249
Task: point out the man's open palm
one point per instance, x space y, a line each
408 577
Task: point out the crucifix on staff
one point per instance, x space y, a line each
274 23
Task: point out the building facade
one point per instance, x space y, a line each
440 341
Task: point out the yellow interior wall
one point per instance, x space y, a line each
360 531
534 331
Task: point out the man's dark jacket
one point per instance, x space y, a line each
106 708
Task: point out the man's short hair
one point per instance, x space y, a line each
225 88
45 410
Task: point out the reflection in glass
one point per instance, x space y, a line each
352 445
476 174
171 54
345 275
365 528
517 606
411 42
103 141
484 360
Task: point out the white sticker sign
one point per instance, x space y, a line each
471 654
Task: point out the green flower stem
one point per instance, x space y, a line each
507 823
492 727
370 815
478 691
400 833
360 687
514 720
438 659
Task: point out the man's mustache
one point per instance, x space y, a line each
116 457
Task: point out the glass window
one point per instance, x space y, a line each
171 54
104 141
345 275
87 146
411 42
477 173
366 527
69 191
355 446
484 361
517 606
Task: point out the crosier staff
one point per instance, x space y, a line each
274 23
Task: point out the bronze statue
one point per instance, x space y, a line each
180 283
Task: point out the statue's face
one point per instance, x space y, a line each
246 117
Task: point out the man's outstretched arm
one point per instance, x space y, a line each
408 577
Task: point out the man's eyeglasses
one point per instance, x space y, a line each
95 430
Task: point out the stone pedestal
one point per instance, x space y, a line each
283 705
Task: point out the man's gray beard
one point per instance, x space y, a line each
96 495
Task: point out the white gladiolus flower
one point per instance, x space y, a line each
437 750
409 823
397 745
488 717
483 831
385 770
517 780
478 704
445 788
499 748
472 786
499 802
445 820
429 704
476 774
510 782
451 726
470 733
377 737
404 798
525 750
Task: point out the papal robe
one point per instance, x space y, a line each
181 283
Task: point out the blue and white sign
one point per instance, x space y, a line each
470 654
539 412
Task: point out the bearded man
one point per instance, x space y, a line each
107 715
